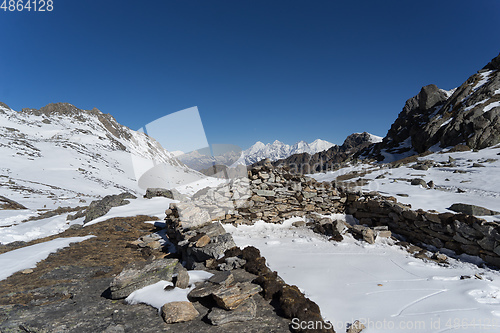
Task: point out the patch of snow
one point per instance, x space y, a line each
446 122
27 257
491 106
484 78
156 295
27 231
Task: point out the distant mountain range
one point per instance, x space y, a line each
279 150
259 151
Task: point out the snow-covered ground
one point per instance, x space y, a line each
27 257
462 183
381 285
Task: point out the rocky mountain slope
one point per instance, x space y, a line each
328 159
436 119
66 155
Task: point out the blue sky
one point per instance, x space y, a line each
256 70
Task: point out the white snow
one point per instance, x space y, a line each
27 231
379 284
140 206
156 295
27 257
484 78
491 106
459 184
279 150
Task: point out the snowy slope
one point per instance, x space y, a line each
471 178
279 150
63 156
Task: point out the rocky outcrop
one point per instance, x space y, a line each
101 207
7 204
469 114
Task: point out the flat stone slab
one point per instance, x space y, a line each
245 312
230 298
141 275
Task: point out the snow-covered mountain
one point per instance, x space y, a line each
279 150
63 155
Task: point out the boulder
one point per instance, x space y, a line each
418 181
139 275
245 312
214 250
158 192
230 298
101 207
177 312
472 210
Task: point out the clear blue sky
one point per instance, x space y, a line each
257 70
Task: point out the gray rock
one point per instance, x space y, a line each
472 210
245 312
139 275
232 263
230 298
204 290
158 192
265 193
178 312
215 249
181 280
101 207
368 235
418 181
224 278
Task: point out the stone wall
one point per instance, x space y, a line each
458 232
274 194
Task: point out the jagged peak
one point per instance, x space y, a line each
3 105
494 64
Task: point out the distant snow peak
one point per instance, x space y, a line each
279 150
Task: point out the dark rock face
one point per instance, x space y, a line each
469 115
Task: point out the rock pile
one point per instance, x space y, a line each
240 274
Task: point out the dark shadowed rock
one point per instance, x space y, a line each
101 207
7 204
472 210
158 192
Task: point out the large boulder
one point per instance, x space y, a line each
140 275
472 210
